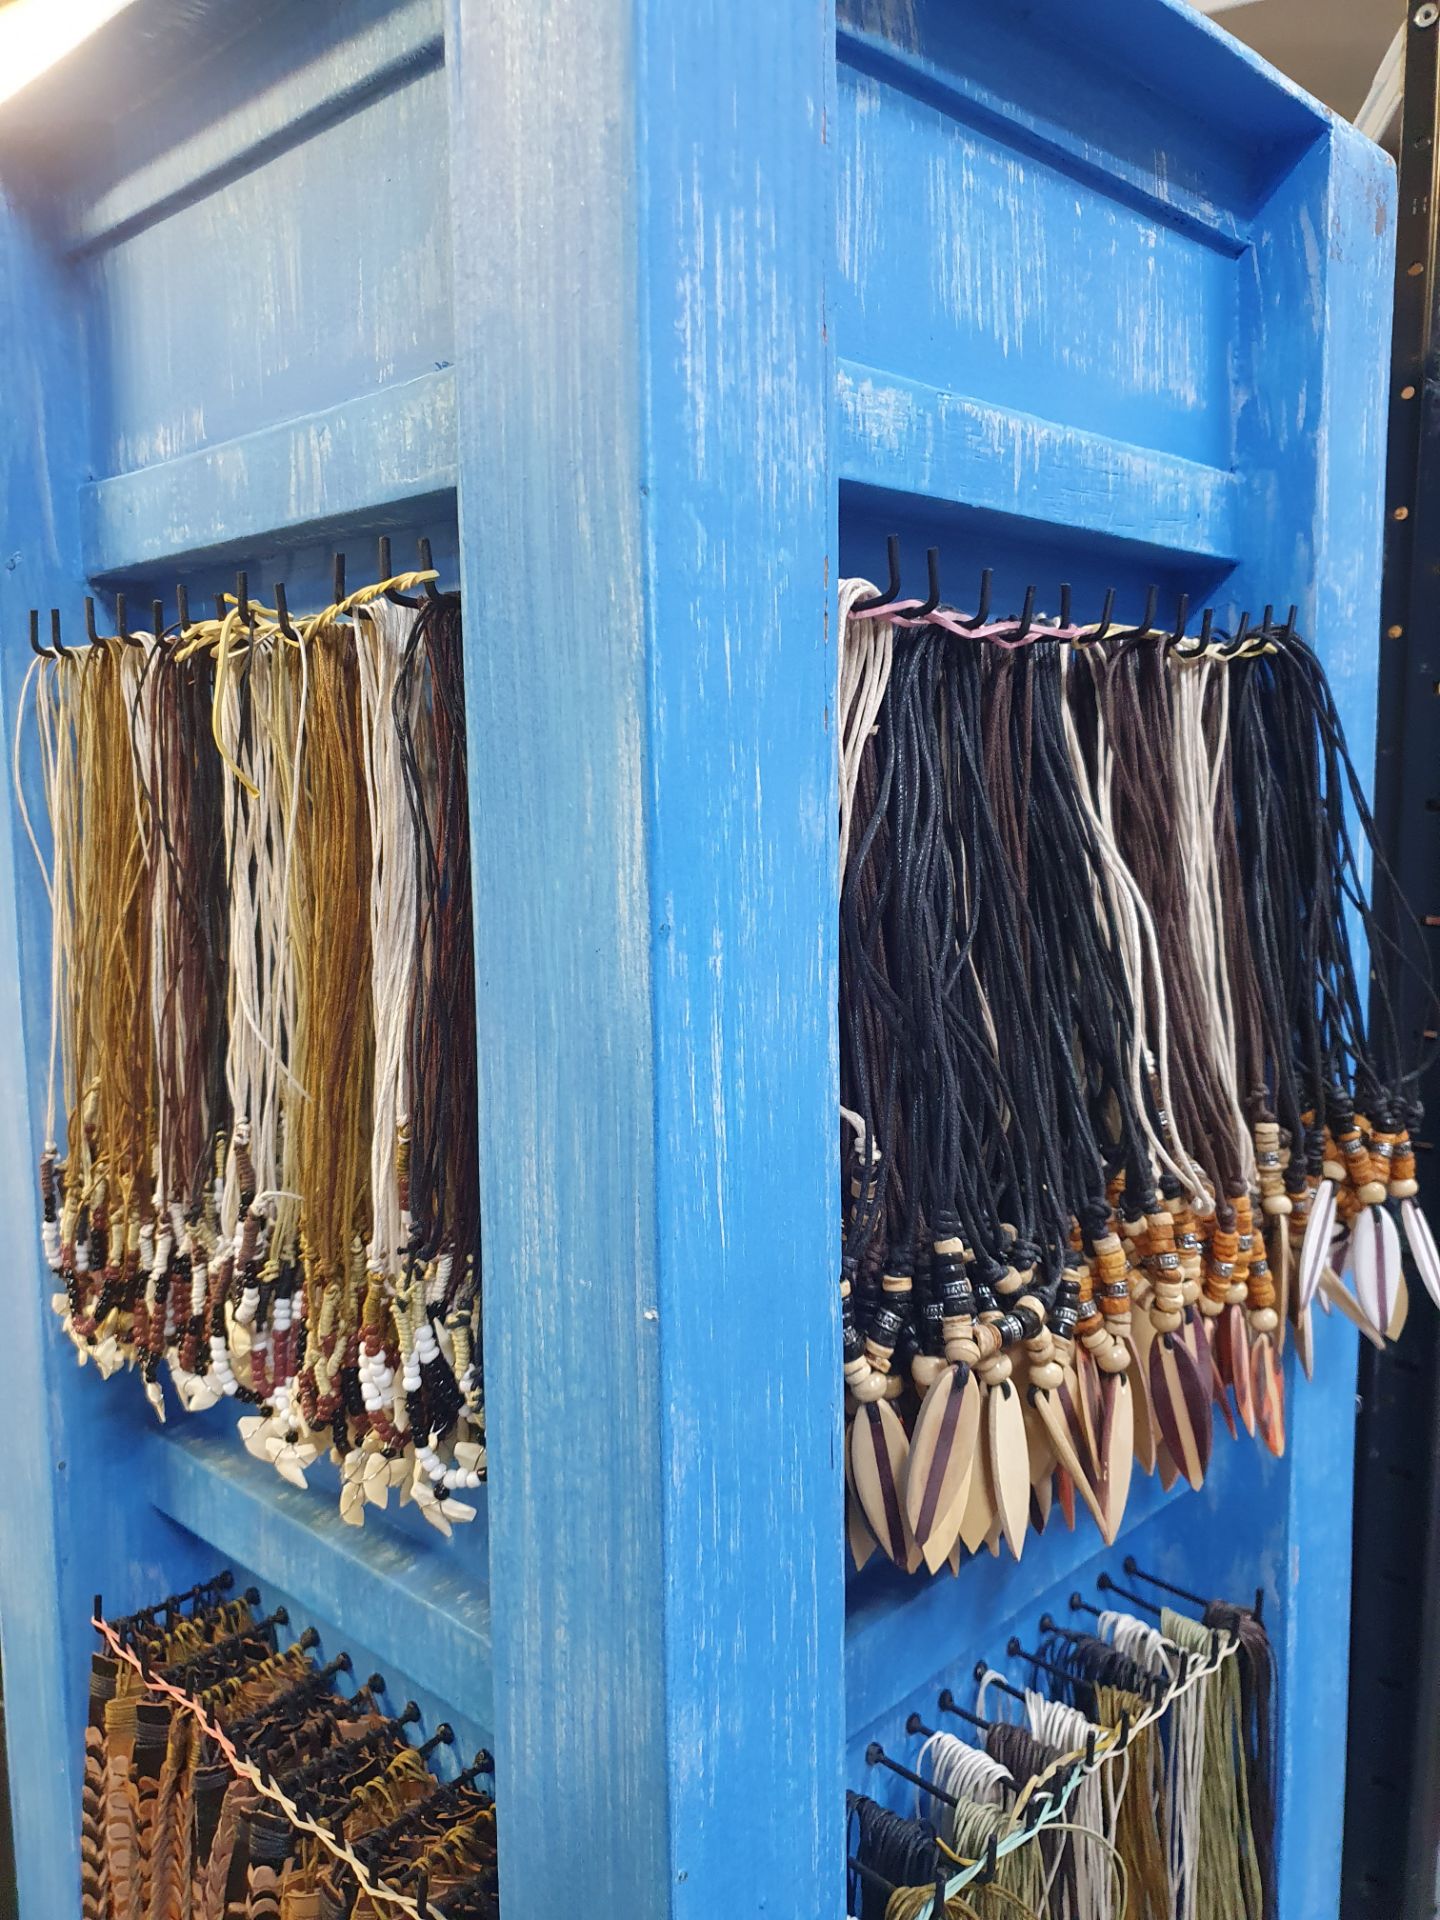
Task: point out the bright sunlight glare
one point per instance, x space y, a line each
34 34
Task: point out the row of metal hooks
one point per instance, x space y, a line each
163 633
1027 627
271 1725
1048 1800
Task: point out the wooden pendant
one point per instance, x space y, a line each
1421 1242
1269 1394
1400 1312
1182 1406
1283 1274
1042 1501
1117 1451
1070 1394
1334 1292
1009 1462
1087 1407
1076 1471
858 1536
1219 1369
1165 1465
979 1514
1305 1342
942 1458
1065 1497
878 1450
1232 1337
1315 1247
1144 1420
1375 1263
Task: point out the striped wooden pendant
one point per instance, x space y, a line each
1375 1264
878 1450
1182 1406
942 1454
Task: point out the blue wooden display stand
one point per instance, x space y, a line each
689 305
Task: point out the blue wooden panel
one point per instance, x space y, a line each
351 463
643 418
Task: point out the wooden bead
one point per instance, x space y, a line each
1047 1375
1371 1193
1165 1321
1403 1189
1114 1358
1264 1320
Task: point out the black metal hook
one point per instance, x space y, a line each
242 597
182 607
872 1878
947 1703
996 1680
1064 603
876 1756
932 600
61 651
1027 613
91 635
40 653
1137 1572
157 621
122 625
1103 627
392 594
282 612
1107 1585
443 1736
982 612
338 579
1017 1652
990 1862
427 565
1182 608
891 592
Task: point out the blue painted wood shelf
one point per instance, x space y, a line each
657 319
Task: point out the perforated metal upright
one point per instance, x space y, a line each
657 318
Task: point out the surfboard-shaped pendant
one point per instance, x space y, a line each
1334 1293
878 1450
1421 1242
1048 1411
1315 1247
1182 1406
1144 1421
1269 1394
1117 1452
1065 1497
941 1461
979 1514
1042 1501
1400 1312
1375 1264
1009 1462
1219 1372
1232 1338
1305 1342
1165 1465
1282 1271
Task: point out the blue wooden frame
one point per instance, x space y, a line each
697 304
